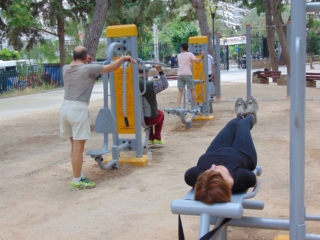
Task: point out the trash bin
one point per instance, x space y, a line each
54 70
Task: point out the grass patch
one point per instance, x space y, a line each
27 91
32 90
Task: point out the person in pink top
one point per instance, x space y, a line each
184 74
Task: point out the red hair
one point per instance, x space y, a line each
212 188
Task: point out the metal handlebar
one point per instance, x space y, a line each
144 71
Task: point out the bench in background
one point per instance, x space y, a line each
263 76
311 79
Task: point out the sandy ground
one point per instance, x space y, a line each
134 202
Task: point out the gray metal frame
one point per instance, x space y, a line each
105 121
217 65
298 217
205 107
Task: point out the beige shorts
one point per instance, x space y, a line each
75 120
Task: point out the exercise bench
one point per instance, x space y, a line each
218 212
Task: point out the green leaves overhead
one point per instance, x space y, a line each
178 31
142 13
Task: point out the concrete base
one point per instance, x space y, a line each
282 237
255 79
140 162
282 80
311 83
203 118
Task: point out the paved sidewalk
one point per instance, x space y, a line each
39 102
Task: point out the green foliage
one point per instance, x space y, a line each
142 13
6 54
177 31
48 51
313 42
102 51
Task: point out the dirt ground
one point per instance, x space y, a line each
134 202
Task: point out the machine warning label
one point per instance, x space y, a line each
128 90
199 74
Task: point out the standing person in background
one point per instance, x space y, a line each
157 116
79 78
211 86
185 60
211 76
173 61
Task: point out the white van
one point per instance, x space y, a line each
14 65
10 70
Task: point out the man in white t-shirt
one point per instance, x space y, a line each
79 78
185 60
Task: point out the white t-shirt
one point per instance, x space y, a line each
210 63
185 63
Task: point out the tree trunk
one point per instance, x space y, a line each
61 37
270 38
94 29
277 20
204 26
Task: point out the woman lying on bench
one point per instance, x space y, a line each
227 165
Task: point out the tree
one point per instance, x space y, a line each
199 7
277 20
50 18
94 29
142 13
270 37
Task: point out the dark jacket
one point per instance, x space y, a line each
150 96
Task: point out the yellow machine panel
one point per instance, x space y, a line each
198 39
128 30
199 74
118 81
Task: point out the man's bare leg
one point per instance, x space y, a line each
79 180
77 148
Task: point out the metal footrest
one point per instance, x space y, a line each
97 153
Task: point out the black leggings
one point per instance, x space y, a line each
236 134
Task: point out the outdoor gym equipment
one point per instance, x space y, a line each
296 225
200 76
125 116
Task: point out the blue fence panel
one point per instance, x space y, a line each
55 73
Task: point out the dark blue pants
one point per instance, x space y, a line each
236 134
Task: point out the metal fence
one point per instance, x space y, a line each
21 77
166 50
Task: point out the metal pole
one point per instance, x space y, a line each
288 44
297 119
218 74
248 58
